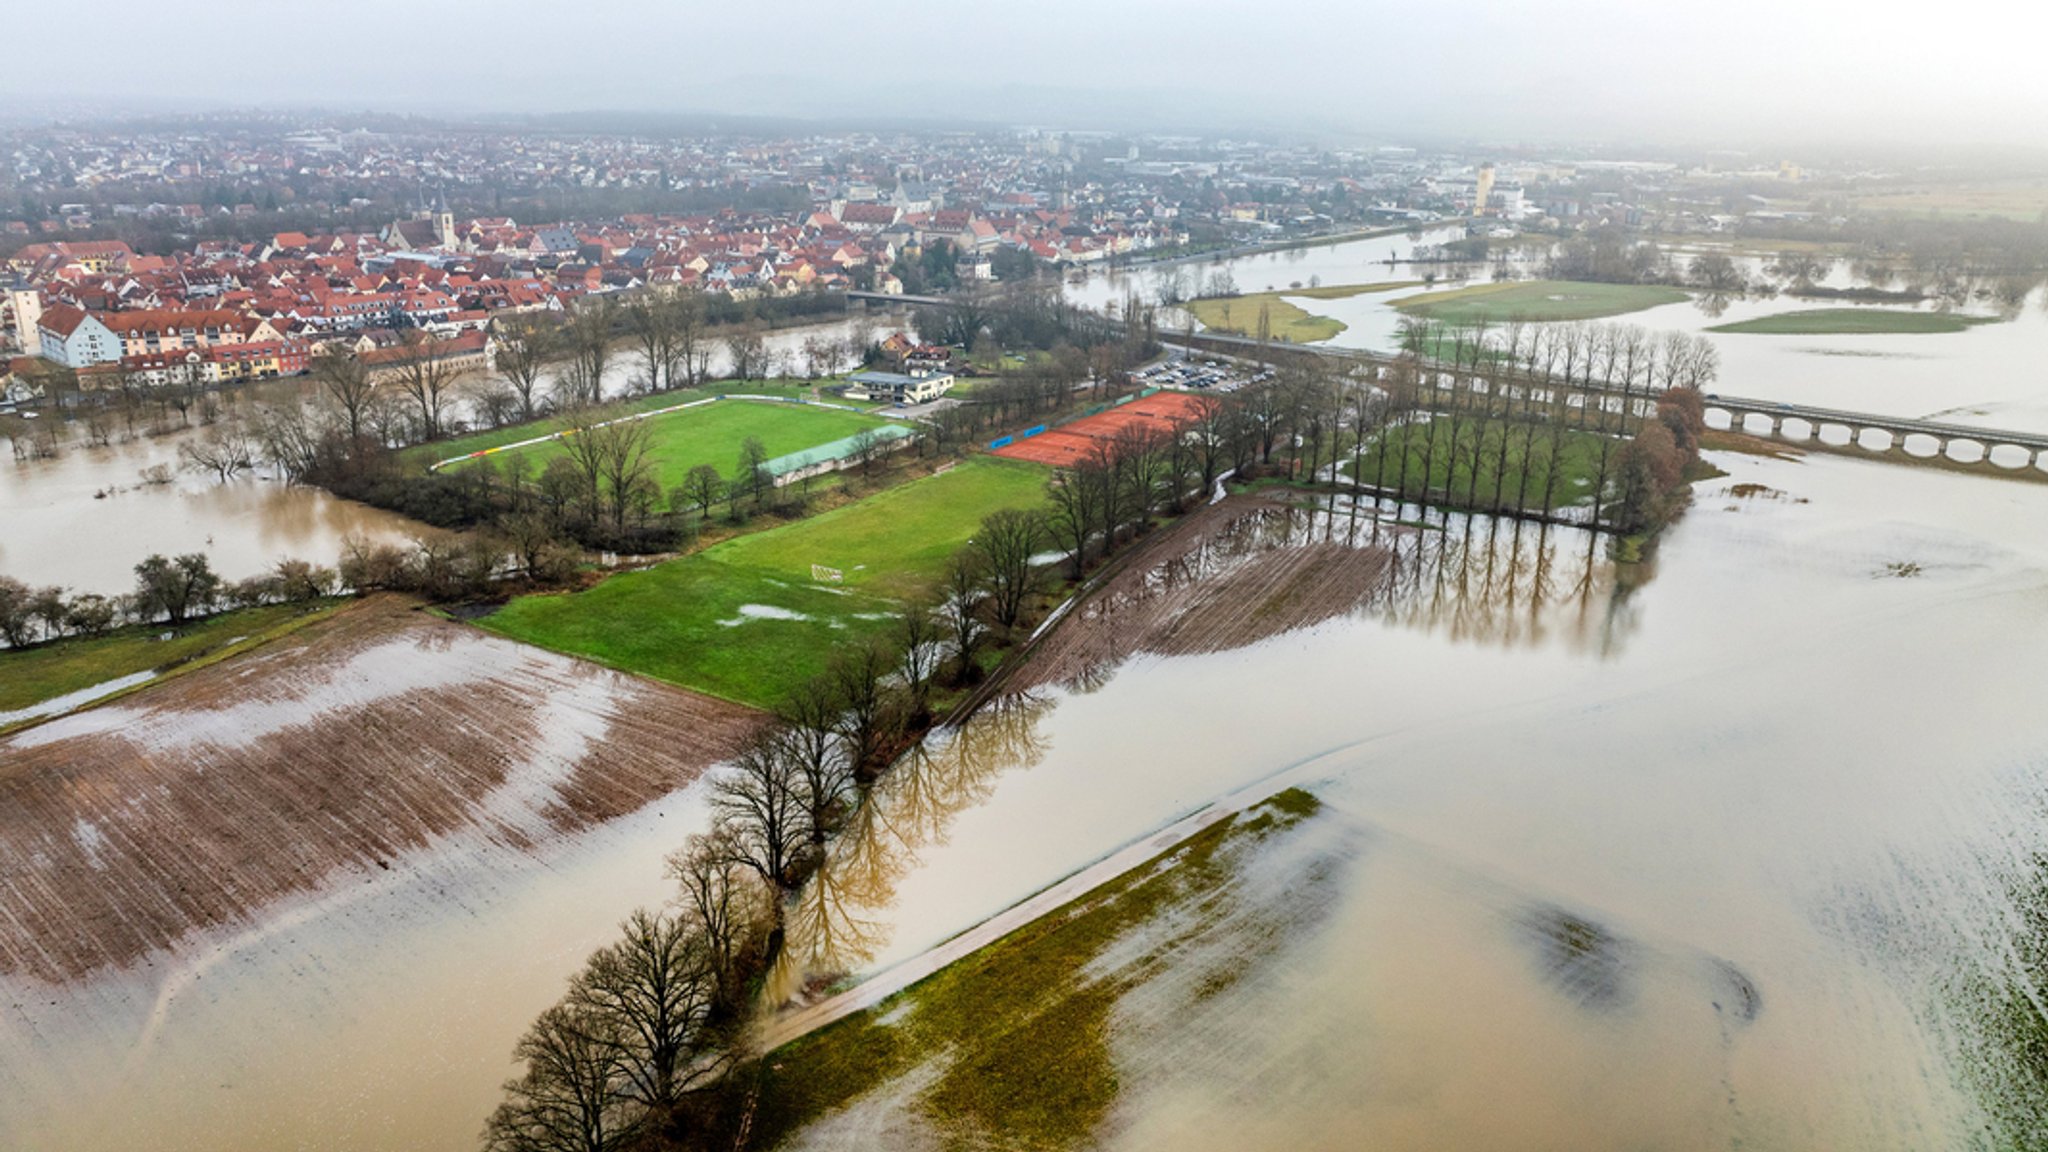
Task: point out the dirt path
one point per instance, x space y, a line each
200 803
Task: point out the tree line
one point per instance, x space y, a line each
173 590
635 1053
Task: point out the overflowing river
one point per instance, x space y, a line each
1986 375
1786 791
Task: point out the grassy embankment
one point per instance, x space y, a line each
46 671
1580 464
745 619
422 455
1290 322
1536 300
1854 322
1023 1025
712 434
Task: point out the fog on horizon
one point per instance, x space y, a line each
1741 71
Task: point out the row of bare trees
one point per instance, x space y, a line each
633 1053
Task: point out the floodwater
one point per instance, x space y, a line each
1987 375
84 519
1740 852
1794 765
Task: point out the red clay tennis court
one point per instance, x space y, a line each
1070 444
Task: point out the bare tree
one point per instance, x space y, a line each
527 346
748 352
652 321
345 382
1005 543
702 486
964 594
614 458
589 339
866 725
566 1100
762 812
225 451
430 377
1075 495
720 905
654 988
917 657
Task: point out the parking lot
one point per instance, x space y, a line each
1200 373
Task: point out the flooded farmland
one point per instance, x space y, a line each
1734 846
312 894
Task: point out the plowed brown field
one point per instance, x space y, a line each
199 803
1071 444
1231 575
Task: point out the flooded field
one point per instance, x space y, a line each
1984 375
1741 851
305 813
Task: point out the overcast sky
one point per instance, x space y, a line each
1728 71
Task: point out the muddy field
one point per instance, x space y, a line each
1230 575
200 803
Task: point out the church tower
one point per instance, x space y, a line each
444 221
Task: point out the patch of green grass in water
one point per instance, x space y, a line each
1854 322
1025 1027
46 671
1450 479
1537 301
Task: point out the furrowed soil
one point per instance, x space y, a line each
198 804
1228 576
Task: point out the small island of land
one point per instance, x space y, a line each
1853 322
1536 300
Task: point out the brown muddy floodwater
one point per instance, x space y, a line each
1740 851
84 519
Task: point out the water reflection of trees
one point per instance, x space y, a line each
839 921
1509 582
1472 579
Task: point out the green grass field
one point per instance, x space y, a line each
1536 300
1287 322
422 455
44 672
1574 484
713 434
1854 322
745 619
